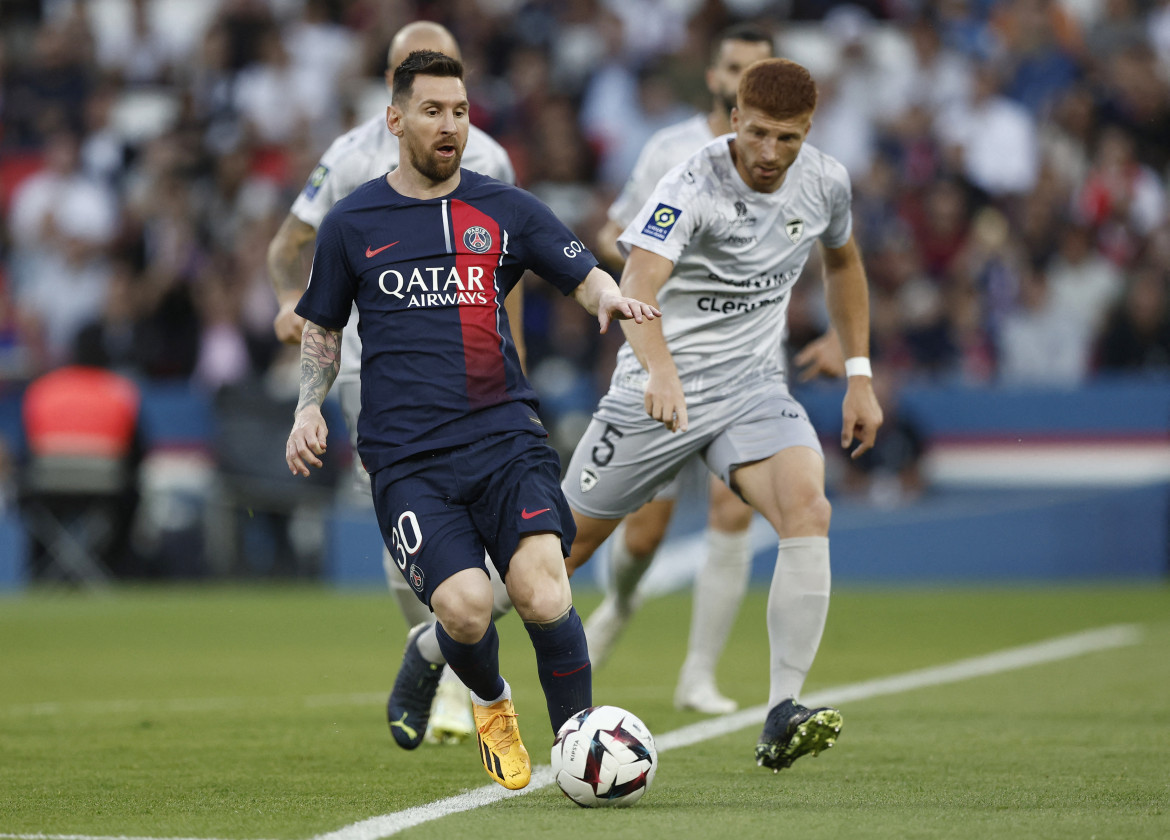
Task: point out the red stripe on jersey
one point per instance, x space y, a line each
477 254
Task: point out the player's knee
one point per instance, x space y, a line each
464 606
808 517
643 538
646 527
539 595
729 514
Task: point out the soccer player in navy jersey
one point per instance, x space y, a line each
449 429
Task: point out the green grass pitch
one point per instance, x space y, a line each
247 713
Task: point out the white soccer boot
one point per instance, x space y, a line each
451 720
699 694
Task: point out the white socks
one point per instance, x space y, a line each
798 604
506 695
625 572
719 589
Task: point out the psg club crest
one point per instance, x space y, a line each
795 229
477 239
416 577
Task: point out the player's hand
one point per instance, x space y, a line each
613 306
861 415
821 357
665 402
306 441
288 324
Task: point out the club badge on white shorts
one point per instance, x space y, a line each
589 479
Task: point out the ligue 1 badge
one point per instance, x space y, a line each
477 239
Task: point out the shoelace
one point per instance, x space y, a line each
506 727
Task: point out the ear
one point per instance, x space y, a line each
710 75
394 120
735 119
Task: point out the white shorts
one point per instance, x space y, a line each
626 457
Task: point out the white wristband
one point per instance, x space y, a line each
858 366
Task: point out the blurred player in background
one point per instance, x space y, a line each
722 581
448 428
720 245
364 153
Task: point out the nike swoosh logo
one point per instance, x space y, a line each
373 252
524 513
570 673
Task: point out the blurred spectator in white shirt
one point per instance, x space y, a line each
62 223
1084 283
993 137
1041 342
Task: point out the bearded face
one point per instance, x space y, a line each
432 126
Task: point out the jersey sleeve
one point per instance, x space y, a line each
549 248
340 171
332 283
839 193
668 220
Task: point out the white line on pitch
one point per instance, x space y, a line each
1053 650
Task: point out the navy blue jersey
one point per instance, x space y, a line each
439 366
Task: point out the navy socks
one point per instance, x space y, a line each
477 665
562 661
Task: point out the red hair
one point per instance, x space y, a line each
780 88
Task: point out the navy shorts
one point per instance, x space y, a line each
440 512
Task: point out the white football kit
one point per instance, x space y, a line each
737 253
665 149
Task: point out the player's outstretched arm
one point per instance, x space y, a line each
286 275
644 275
320 361
601 297
847 296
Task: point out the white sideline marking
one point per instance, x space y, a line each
1012 659
1064 647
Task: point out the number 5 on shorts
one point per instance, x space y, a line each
603 452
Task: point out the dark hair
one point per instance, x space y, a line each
749 32
780 88
422 63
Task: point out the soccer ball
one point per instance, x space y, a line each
604 756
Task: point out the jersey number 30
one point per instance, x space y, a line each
406 537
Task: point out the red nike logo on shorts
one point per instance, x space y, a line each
524 513
373 252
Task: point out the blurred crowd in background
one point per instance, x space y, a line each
1010 163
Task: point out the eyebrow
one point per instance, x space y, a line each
440 103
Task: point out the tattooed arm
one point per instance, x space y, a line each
320 360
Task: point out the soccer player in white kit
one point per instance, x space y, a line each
363 153
718 248
721 583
